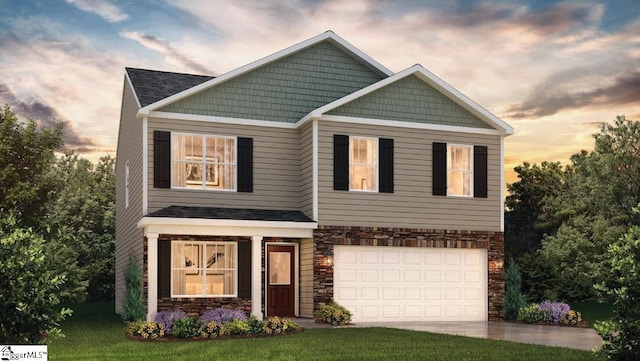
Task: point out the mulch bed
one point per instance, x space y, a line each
223 337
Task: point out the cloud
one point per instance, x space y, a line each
161 46
48 117
103 8
553 97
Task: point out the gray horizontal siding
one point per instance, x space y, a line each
128 236
410 100
276 177
285 90
412 204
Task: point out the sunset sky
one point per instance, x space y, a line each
554 70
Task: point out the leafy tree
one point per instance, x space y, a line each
527 217
26 156
30 284
574 214
84 207
513 299
621 335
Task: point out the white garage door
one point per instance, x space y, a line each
411 284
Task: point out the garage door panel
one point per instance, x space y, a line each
411 284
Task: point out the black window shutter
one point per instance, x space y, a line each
480 171
439 173
161 159
340 162
245 165
164 269
385 170
244 269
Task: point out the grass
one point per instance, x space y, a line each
94 332
593 311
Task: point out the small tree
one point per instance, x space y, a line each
30 286
513 299
621 334
133 306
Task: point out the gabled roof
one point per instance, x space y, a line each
432 80
150 86
326 36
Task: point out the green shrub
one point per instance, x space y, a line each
30 287
256 326
211 329
145 329
572 318
291 325
236 327
333 314
133 305
187 327
532 313
621 334
513 299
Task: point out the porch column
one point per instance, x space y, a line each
152 276
256 277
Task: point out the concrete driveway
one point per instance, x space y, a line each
571 337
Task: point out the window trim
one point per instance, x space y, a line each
377 164
204 145
471 170
204 244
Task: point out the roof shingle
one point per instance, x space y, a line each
153 85
231 213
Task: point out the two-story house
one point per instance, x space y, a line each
312 174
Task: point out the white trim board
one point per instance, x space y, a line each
226 227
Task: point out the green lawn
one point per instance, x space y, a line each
95 333
593 311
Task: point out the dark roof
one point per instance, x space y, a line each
152 85
231 213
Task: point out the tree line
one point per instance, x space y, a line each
57 228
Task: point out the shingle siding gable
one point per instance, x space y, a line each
285 90
410 100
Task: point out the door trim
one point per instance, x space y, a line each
296 275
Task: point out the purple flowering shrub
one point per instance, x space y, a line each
555 311
167 318
223 315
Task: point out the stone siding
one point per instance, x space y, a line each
326 237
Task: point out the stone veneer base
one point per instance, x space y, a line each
326 237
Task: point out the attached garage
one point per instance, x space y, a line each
411 284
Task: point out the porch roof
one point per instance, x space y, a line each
231 213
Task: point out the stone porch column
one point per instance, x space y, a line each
152 276
256 276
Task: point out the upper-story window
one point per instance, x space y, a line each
363 164
459 170
203 162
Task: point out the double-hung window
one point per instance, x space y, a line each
459 170
204 269
203 162
363 164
